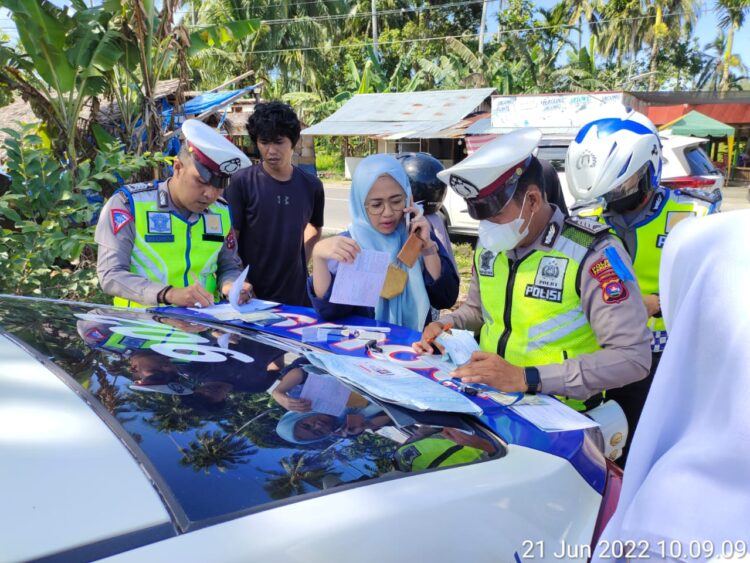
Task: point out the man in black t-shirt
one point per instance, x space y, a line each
277 209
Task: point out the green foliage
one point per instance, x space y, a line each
46 231
67 55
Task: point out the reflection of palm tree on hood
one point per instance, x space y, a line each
297 470
211 449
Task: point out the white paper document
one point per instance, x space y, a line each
390 382
459 345
234 292
326 393
551 415
225 311
233 310
359 283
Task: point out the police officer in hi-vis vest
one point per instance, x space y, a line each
613 168
553 299
171 242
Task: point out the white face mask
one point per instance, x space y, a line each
499 237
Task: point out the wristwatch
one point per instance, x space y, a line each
533 380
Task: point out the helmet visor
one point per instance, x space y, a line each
489 206
627 188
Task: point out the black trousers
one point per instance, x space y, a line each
631 398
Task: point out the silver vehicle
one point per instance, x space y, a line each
142 436
687 166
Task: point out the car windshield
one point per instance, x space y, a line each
699 162
195 404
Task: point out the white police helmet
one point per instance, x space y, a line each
613 158
215 157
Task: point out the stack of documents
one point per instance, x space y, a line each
390 382
551 415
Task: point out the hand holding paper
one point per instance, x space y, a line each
240 292
459 345
360 282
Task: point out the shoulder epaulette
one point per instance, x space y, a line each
139 187
222 201
587 225
703 195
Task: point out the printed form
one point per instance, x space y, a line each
359 283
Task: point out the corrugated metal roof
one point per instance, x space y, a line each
403 115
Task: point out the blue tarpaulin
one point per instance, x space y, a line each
205 102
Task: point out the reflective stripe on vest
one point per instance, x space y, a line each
532 310
169 250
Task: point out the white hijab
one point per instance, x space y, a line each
688 474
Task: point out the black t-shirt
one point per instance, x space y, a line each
271 217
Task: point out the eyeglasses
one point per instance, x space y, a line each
377 206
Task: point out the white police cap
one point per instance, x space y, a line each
488 178
215 157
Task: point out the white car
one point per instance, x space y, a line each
149 436
685 166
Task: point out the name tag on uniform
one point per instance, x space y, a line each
159 223
487 263
212 224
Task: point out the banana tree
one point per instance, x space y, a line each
67 54
163 43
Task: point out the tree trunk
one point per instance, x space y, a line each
724 86
652 67
481 28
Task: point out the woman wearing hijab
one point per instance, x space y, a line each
685 488
309 427
379 199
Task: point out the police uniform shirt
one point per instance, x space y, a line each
115 249
620 327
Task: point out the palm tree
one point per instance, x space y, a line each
290 45
732 16
670 17
620 35
581 74
583 11
710 77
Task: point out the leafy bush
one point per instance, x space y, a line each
48 215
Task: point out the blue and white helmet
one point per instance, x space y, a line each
610 156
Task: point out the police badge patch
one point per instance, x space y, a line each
487 263
212 224
159 223
120 218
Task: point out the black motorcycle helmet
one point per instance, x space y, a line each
422 169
